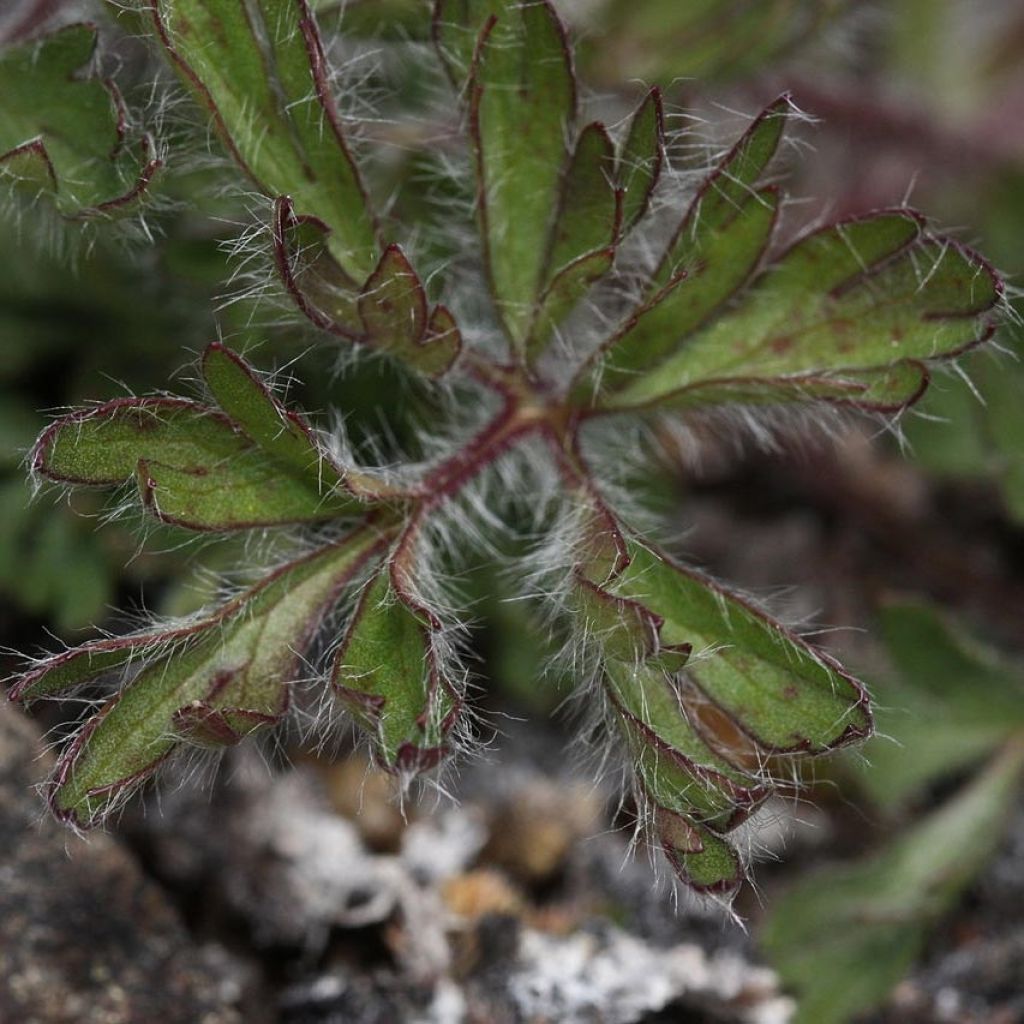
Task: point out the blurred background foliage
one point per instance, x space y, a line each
918 100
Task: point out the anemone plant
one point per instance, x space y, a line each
595 290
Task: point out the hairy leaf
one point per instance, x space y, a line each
721 263
718 244
703 859
843 937
388 313
262 73
280 433
388 675
590 208
641 158
678 769
523 99
778 690
728 189
234 676
193 466
834 319
64 135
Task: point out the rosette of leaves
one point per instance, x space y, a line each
704 693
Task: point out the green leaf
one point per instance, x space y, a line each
64 134
387 673
590 209
233 677
641 158
583 235
842 311
717 245
702 859
193 466
776 688
676 766
721 262
523 99
390 312
952 705
394 311
262 73
248 402
843 937
563 294
729 188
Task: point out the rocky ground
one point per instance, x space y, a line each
302 895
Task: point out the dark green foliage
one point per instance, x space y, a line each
705 694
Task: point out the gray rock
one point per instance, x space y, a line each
85 937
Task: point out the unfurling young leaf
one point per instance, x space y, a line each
65 135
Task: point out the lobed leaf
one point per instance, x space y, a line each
233 677
846 315
193 466
717 245
729 187
522 101
387 674
65 135
252 407
590 208
262 73
777 689
721 264
394 311
705 689
844 937
677 767
390 311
